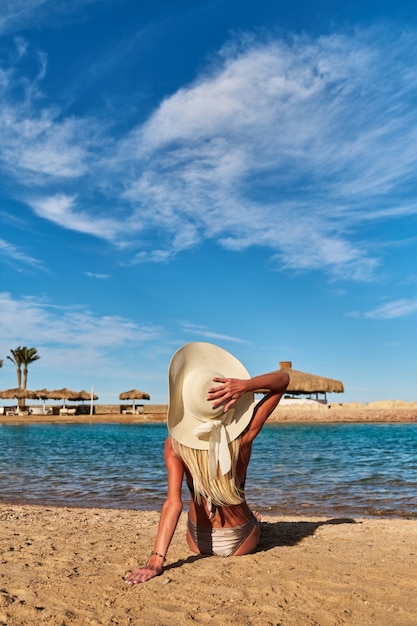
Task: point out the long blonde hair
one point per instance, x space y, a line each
223 489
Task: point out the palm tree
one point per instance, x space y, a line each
17 360
23 356
28 355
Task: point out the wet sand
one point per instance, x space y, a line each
64 566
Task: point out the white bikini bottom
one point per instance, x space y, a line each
220 541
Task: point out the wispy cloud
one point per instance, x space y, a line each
62 210
204 333
17 14
64 326
391 310
288 145
99 276
74 341
10 252
40 146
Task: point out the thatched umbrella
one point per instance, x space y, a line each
134 394
63 394
301 382
85 395
20 394
43 394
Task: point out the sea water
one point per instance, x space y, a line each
296 469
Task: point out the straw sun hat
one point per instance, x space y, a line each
192 421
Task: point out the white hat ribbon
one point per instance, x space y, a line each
218 446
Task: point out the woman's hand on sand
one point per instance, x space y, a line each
227 392
143 574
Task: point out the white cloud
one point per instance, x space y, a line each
99 276
291 146
285 146
392 310
50 325
12 253
61 210
18 14
204 333
73 340
39 144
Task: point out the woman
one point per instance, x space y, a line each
212 422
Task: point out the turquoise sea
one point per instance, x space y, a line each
303 469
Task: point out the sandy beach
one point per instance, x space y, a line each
63 566
66 566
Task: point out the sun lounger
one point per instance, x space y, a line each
65 411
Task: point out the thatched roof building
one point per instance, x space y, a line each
303 383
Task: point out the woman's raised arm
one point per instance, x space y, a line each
229 390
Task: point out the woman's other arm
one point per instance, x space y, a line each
170 513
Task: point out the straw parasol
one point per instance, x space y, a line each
134 394
301 382
85 395
43 394
82 396
63 394
20 394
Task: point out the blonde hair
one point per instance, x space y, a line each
223 489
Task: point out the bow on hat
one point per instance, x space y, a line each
219 453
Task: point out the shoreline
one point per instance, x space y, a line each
282 513
396 413
63 565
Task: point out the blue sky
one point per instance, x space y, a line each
227 171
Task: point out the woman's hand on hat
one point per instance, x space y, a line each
227 393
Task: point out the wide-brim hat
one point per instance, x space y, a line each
192 421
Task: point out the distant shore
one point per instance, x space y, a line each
382 411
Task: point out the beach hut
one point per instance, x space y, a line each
302 383
133 394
